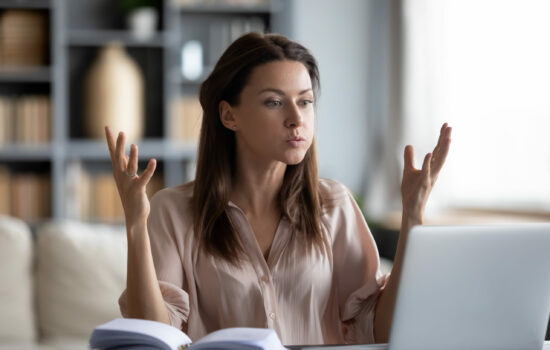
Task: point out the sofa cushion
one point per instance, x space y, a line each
81 271
17 321
58 344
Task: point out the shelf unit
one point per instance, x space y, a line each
77 30
34 75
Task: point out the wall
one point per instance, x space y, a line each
337 34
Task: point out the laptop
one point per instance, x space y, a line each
474 287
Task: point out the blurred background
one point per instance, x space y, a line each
392 72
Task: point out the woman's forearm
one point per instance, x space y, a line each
386 301
143 291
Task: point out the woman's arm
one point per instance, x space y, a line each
415 190
142 287
145 299
386 301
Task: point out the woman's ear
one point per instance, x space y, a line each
227 116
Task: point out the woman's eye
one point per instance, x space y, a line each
306 102
273 103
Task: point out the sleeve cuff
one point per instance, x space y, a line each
175 299
358 314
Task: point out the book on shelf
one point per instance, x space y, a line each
7 128
5 192
30 196
186 118
94 196
25 119
23 38
32 119
222 33
131 333
24 195
106 204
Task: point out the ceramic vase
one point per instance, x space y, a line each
114 95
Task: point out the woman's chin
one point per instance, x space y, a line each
293 159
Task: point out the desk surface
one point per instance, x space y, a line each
341 347
363 347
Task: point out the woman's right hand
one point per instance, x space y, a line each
130 185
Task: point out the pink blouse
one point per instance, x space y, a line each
308 298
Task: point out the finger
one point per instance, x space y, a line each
443 127
133 160
449 132
409 157
119 152
442 134
426 166
110 141
441 151
149 171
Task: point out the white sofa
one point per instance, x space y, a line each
56 288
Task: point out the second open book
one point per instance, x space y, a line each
131 333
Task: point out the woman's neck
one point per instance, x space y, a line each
257 185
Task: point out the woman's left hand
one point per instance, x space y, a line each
417 184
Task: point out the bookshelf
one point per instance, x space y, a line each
63 172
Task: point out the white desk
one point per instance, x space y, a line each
368 347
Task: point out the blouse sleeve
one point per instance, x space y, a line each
359 280
167 260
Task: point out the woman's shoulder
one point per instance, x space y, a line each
170 217
339 208
177 196
333 193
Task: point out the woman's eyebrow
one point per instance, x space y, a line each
281 92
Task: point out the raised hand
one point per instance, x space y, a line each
130 185
418 183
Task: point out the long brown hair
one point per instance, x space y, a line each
299 196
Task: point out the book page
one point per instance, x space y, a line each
121 329
240 338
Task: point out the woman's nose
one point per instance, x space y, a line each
294 118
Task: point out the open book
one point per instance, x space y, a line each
132 333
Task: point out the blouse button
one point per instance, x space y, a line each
272 315
265 279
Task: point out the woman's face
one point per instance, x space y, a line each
274 119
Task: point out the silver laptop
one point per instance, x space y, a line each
474 287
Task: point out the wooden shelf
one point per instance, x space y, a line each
224 9
103 37
148 148
24 152
25 75
25 4
177 77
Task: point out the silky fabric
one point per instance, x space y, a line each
309 296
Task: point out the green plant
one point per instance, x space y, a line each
129 5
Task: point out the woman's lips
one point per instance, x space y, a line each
297 141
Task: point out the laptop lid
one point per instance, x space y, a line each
474 287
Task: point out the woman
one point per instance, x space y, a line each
257 239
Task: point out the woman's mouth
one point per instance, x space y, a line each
296 141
